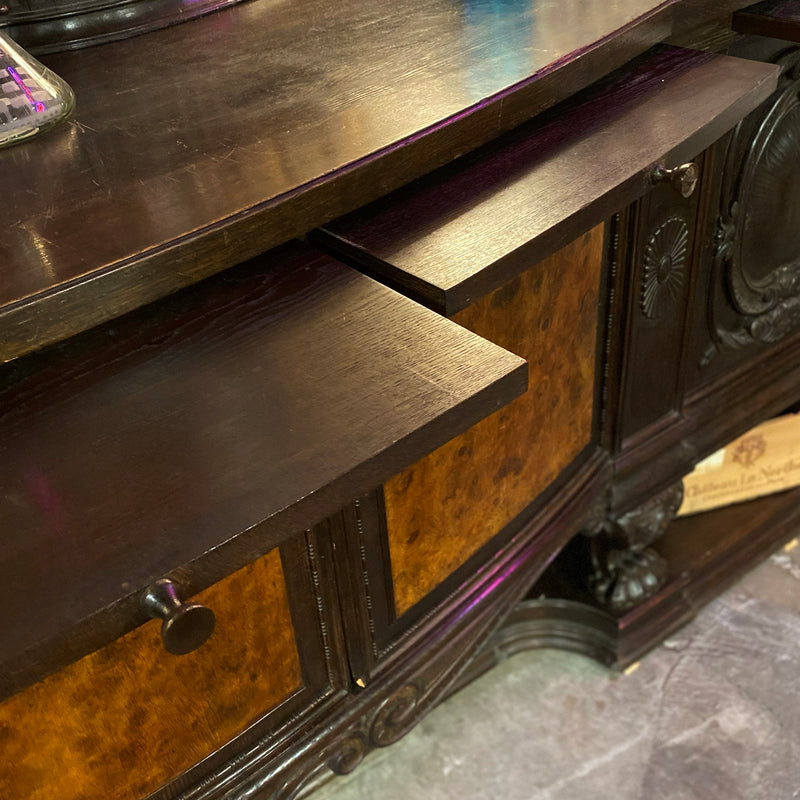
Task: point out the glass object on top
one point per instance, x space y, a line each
32 97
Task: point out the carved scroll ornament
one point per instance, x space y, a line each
757 249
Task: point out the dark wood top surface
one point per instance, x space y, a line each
465 229
777 18
197 147
302 384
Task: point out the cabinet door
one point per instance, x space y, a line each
656 251
752 263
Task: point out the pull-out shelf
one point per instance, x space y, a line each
468 228
779 19
514 242
188 439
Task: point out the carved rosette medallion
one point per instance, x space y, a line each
664 270
348 754
396 716
757 250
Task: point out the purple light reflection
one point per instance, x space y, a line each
37 106
490 588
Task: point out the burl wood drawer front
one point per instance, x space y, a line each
444 507
125 719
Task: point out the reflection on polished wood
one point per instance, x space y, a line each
49 27
199 146
440 510
125 719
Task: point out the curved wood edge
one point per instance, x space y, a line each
421 671
276 312
71 30
153 271
548 623
705 553
778 19
438 240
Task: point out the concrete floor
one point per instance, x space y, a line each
713 714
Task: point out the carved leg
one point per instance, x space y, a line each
625 570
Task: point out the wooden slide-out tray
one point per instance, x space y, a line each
779 19
461 232
200 433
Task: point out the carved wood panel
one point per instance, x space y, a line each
657 241
755 281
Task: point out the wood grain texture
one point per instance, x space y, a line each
290 119
442 509
779 19
197 435
469 227
127 718
704 24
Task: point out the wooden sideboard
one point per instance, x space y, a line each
547 265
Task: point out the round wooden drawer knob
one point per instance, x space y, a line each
186 625
683 179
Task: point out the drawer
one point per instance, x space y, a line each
444 508
467 229
133 717
752 258
511 242
203 441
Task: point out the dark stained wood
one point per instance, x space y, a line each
424 664
469 227
197 147
754 248
732 404
704 24
710 417
442 509
660 276
706 553
64 24
540 622
193 408
717 401
307 563
130 716
364 578
192 437
779 19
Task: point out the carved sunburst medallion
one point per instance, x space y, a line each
664 267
